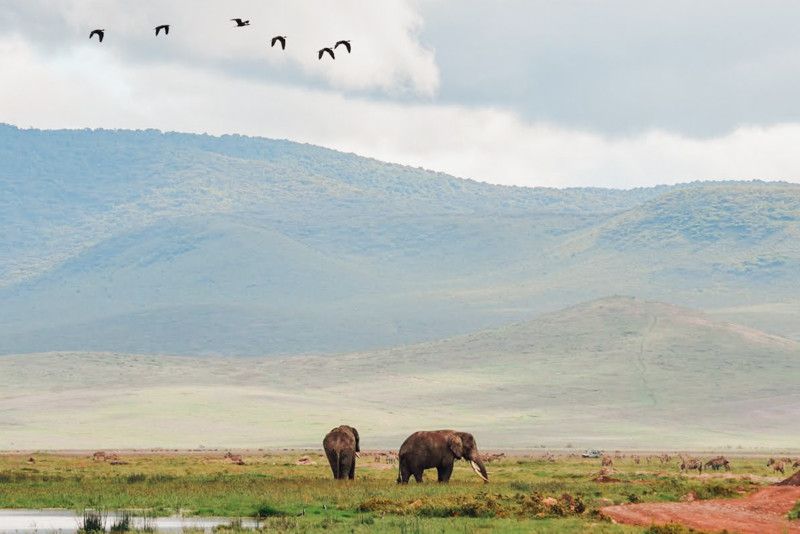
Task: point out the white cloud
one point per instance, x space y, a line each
192 89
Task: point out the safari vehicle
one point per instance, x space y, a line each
592 453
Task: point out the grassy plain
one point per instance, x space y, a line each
615 373
526 493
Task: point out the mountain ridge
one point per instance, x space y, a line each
354 253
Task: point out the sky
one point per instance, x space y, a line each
568 93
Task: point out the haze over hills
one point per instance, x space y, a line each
155 242
613 373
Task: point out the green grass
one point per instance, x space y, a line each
525 494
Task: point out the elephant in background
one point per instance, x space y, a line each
439 448
342 447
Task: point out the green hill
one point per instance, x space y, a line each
158 242
612 373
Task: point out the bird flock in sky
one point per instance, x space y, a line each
240 24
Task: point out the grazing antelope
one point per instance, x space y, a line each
607 461
716 463
777 465
636 459
691 463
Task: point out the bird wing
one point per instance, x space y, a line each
166 29
345 43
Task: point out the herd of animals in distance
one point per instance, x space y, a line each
440 448
100 33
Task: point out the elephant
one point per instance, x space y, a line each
438 448
342 446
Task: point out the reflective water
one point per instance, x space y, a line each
66 522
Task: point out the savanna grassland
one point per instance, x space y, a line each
526 493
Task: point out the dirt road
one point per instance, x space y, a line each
763 512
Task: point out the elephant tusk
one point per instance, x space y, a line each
478 471
358 455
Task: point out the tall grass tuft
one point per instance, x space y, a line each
122 524
94 521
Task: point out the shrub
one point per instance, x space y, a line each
715 491
267 510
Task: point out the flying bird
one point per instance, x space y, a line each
99 33
240 22
279 39
345 43
328 50
164 27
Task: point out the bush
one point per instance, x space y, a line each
267 510
715 491
634 499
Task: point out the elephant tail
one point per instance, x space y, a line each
338 465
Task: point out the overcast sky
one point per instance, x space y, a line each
613 93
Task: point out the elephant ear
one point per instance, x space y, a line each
355 435
456 445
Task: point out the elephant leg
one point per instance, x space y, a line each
418 476
444 472
352 471
334 461
405 474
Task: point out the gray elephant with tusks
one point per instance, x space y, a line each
342 447
438 448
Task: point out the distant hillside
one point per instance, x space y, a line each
612 373
191 244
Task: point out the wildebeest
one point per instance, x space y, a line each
691 463
777 465
716 463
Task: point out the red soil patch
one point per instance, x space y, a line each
763 512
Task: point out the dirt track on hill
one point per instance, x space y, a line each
763 512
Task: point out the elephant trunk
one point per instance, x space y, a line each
479 468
